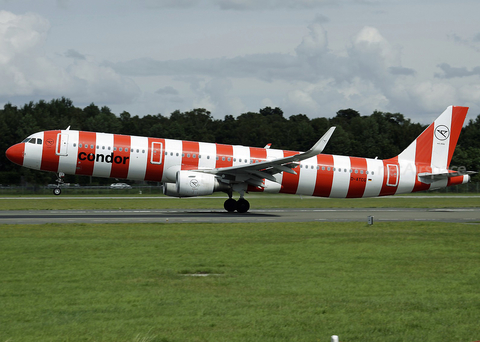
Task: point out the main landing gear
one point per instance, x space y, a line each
241 206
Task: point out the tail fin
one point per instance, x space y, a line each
435 146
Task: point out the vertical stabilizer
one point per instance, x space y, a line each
435 146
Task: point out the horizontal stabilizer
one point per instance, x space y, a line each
429 178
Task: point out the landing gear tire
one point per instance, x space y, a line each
242 205
57 191
230 205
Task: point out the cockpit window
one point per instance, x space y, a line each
37 141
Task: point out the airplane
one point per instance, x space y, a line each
190 168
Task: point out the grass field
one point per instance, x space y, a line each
240 282
257 201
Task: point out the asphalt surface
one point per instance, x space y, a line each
220 216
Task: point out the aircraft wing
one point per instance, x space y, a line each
254 174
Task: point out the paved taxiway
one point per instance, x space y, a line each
220 216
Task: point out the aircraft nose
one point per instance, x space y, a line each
15 153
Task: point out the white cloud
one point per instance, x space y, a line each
25 69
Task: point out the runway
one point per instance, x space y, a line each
220 216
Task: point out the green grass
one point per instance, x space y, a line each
257 201
411 281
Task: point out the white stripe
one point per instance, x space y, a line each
240 154
374 178
173 159
341 179
138 158
103 141
33 152
207 152
441 140
308 176
273 187
408 170
68 164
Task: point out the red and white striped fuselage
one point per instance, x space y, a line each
159 160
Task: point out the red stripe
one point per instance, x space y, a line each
458 117
257 155
358 177
154 171
121 156
86 140
423 153
323 183
386 189
224 156
289 181
423 156
49 157
190 155
455 180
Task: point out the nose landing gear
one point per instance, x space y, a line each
57 191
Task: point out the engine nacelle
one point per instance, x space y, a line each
191 184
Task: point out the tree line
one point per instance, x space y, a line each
380 134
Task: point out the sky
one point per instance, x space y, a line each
311 57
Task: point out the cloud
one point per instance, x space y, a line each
366 74
453 72
471 43
71 53
252 5
270 4
397 70
25 70
168 90
216 96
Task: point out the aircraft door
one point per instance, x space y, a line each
392 175
157 153
62 144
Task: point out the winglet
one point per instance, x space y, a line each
319 145
322 142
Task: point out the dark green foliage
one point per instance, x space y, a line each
382 135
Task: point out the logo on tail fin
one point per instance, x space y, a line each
442 132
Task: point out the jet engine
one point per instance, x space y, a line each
191 184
